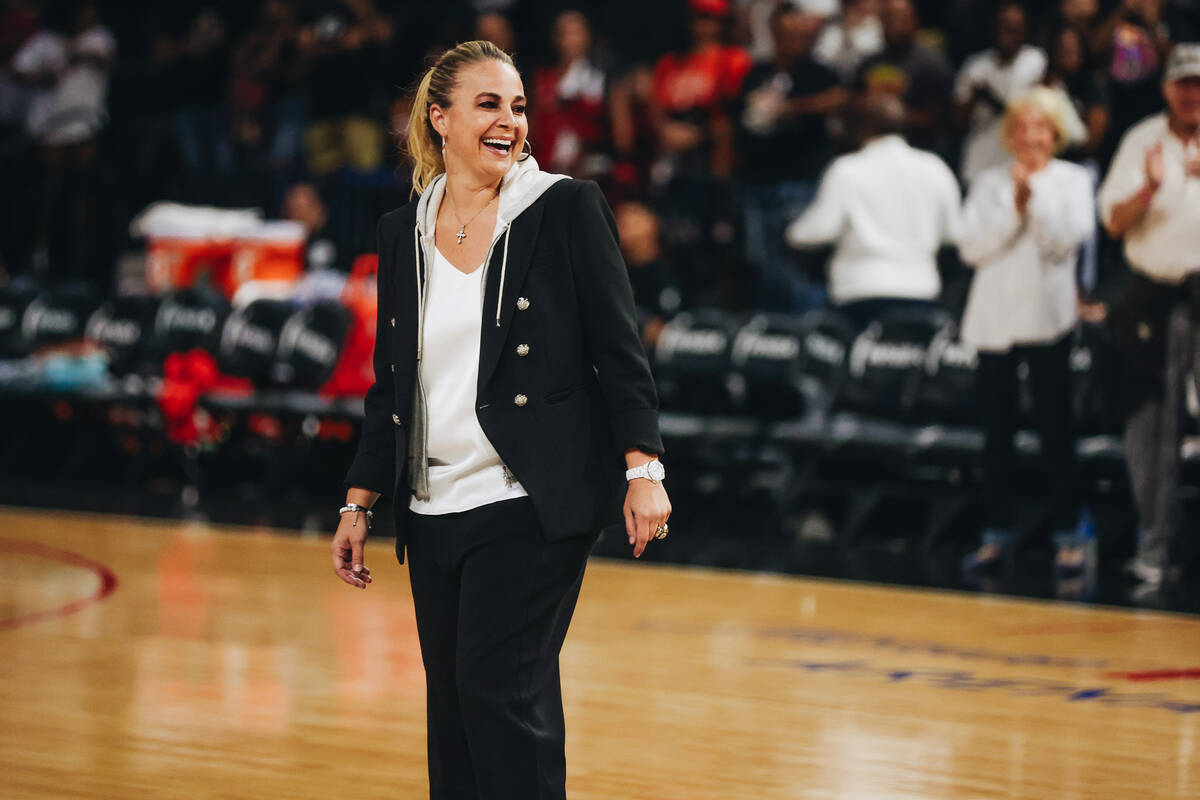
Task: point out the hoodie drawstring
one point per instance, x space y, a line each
420 305
503 269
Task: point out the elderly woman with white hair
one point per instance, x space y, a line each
1023 224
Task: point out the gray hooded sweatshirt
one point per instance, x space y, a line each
521 186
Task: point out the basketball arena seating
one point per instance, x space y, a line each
782 408
764 408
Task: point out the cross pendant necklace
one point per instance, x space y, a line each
462 226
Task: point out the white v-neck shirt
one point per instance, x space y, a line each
465 471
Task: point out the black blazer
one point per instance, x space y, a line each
590 393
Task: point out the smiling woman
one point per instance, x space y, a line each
471 126
507 462
477 70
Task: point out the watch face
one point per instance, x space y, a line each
656 470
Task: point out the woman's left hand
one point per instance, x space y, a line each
646 507
1092 311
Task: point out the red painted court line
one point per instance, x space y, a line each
108 582
1156 675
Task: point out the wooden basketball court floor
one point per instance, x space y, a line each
148 659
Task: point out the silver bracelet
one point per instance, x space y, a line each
357 507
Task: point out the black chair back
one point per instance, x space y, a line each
888 361
57 315
949 386
825 355
691 362
310 344
15 297
123 327
249 343
766 353
186 319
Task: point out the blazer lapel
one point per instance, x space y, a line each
404 297
522 237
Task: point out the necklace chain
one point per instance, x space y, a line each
462 226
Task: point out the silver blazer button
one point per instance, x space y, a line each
520 400
393 322
522 303
522 349
396 418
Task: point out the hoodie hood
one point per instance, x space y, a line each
521 186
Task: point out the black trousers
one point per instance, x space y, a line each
1050 381
493 603
864 312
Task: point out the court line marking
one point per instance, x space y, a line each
695 571
1157 675
108 582
826 636
820 636
966 680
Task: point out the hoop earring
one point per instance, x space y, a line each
526 150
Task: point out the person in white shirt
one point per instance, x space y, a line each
754 18
1023 224
987 82
850 38
1150 199
68 73
887 209
71 72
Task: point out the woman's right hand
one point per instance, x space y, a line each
1022 191
1155 167
347 550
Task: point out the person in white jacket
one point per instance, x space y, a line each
887 209
1023 224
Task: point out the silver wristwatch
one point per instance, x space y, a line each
653 470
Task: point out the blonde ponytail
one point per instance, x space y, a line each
424 144
424 152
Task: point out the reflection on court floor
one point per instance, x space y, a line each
146 659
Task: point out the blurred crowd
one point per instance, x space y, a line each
708 122
772 155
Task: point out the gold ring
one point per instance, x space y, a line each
661 531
